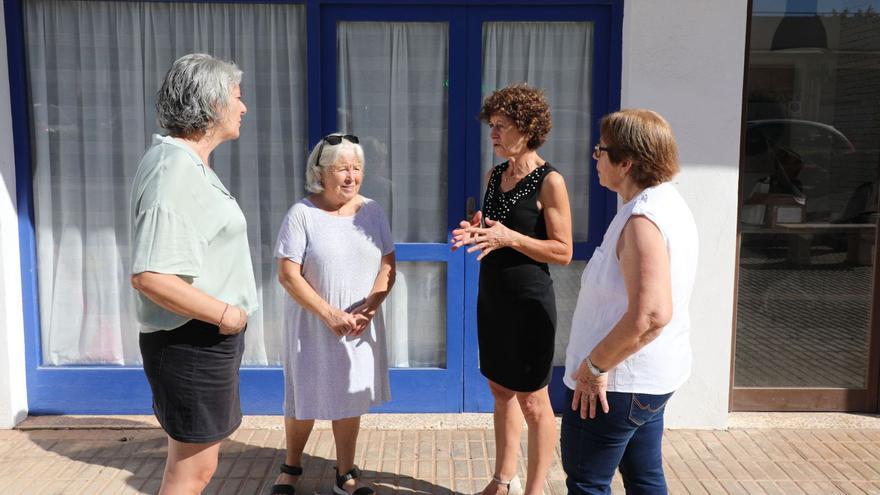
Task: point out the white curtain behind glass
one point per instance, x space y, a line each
556 57
392 93
93 71
415 313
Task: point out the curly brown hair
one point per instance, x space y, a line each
526 107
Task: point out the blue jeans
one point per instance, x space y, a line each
629 437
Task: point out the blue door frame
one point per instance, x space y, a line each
124 390
408 386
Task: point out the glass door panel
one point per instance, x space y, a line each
809 215
415 314
392 79
391 89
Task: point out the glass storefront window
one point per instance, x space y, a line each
566 286
93 69
809 195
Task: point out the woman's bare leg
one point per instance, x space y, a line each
296 432
345 434
508 421
543 437
188 467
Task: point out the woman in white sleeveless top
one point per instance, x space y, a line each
629 348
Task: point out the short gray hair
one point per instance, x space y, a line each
330 154
195 88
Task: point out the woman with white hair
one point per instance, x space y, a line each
336 261
191 266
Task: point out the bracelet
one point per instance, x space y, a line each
595 370
220 323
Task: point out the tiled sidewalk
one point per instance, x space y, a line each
430 461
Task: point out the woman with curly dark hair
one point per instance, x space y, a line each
525 224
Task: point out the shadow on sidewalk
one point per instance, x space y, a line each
133 453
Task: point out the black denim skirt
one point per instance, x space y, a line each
193 373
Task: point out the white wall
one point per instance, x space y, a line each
685 59
13 392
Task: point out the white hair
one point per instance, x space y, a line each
330 154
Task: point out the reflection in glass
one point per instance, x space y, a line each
809 196
415 316
566 286
392 94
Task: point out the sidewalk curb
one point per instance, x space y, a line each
452 421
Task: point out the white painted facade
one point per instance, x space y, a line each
13 391
683 58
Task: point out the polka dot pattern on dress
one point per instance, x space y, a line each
499 204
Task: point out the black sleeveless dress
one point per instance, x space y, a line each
516 306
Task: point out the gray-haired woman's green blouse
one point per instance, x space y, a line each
185 223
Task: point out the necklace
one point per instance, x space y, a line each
515 178
499 203
508 178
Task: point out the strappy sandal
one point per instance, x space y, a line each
341 480
285 489
513 485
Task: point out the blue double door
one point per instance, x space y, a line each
409 81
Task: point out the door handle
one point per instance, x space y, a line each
470 208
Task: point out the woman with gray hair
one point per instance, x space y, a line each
336 261
191 267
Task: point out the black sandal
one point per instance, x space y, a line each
284 489
354 474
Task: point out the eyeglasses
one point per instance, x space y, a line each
333 140
597 151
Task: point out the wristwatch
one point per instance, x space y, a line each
593 368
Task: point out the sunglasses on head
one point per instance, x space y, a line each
333 140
